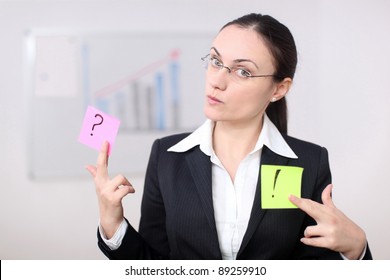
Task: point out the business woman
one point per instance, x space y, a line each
204 194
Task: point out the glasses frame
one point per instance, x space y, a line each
207 59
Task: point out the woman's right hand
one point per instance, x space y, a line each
334 230
110 193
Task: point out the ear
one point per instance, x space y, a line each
281 89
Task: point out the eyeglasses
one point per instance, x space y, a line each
239 73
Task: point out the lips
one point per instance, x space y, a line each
213 100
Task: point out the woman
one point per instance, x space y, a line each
203 191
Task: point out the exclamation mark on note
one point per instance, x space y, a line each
276 177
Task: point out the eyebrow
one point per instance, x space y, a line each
237 60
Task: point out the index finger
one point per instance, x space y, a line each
310 207
102 160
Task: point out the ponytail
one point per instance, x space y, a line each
277 113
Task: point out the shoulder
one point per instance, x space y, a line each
169 141
304 148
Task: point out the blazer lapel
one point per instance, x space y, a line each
200 168
257 214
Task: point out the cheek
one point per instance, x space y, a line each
255 95
253 101
264 93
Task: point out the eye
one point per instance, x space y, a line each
243 73
215 62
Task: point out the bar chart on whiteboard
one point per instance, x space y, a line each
153 82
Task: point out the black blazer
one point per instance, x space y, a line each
177 216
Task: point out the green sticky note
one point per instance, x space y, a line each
277 183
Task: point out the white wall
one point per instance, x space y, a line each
340 100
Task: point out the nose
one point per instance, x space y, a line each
219 79
227 68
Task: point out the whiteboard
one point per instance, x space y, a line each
152 82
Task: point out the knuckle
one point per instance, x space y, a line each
103 192
121 178
332 242
100 165
307 231
333 221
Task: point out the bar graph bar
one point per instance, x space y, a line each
160 113
135 105
174 71
151 117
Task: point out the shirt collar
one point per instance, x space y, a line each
269 136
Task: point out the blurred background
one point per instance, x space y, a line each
48 208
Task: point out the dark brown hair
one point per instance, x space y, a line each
281 44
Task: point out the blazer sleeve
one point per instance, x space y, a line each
152 225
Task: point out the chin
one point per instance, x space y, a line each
210 113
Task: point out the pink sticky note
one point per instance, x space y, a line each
97 128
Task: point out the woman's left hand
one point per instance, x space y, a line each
334 230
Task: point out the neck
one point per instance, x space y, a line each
246 134
232 142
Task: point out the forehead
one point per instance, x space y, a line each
234 42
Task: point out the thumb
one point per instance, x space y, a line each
326 196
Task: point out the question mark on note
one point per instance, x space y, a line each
98 127
99 123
